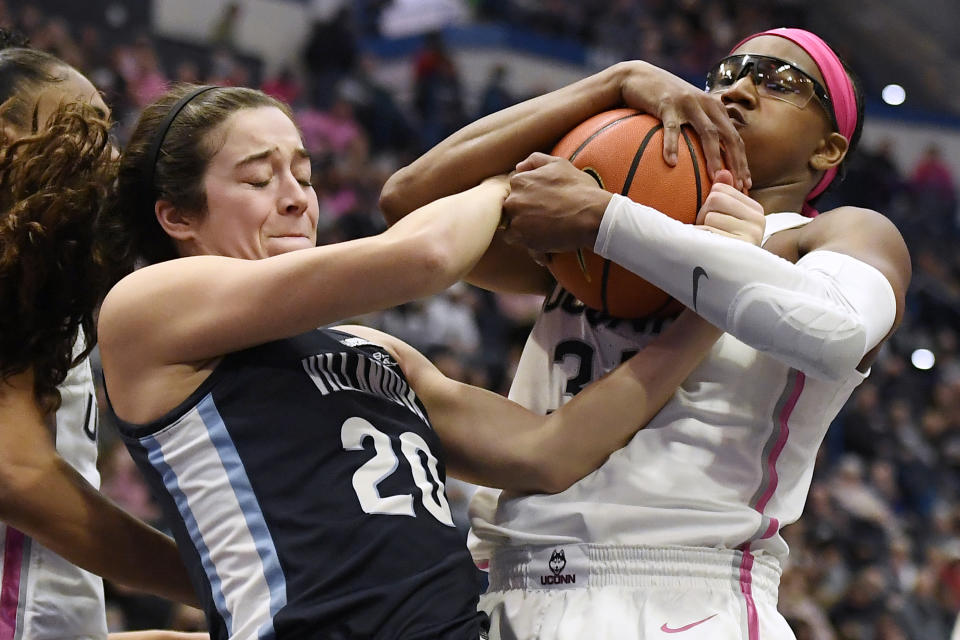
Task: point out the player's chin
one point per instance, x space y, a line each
277 245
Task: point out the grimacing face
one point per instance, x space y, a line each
260 201
779 137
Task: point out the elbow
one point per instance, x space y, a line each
834 367
557 481
823 340
555 477
824 372
551 462
8 496
394 195
435 260
836 359
548 473
17 485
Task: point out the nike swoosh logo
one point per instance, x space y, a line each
667 629
698 272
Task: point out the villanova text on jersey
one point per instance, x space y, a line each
305 487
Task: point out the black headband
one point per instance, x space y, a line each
154 153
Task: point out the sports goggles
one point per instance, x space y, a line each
773 77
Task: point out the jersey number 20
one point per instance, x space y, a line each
385 462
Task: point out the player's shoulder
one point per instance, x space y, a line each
859 219
850 225
368 335
866 235
399 350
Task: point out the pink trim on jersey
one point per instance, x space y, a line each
746 587
746 563
10 585
783 419
771 529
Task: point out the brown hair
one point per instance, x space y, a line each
181 163
22 72
53 185
53 188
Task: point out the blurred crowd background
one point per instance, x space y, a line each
877 554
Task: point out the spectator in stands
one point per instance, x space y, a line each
872 180
187 71
330 54
438 94
861 606
224 31
143 73
227 70
495 95
377 109
283 86
934 192
334 131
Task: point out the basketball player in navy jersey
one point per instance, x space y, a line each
679 531
56 530
303 469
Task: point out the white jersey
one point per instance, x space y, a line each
42 595
724 464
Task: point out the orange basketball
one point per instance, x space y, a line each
623 150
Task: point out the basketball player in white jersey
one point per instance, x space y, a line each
678 532
55 164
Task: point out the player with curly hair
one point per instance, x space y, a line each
56 166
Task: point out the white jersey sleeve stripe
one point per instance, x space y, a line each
256 523
155 455
236 549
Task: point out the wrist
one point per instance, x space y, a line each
608 89
623 72
591 217
499 185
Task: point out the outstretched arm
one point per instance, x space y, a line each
496 143
48 500
197 308
516 448
493 441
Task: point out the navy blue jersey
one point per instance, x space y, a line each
305 488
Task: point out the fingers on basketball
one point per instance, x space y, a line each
622 150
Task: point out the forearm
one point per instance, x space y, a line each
47 499
52 503
202 307
607 414
496 143
461 226
422 255
820 315
517 449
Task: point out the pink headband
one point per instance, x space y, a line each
839 88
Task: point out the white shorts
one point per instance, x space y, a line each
597 592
